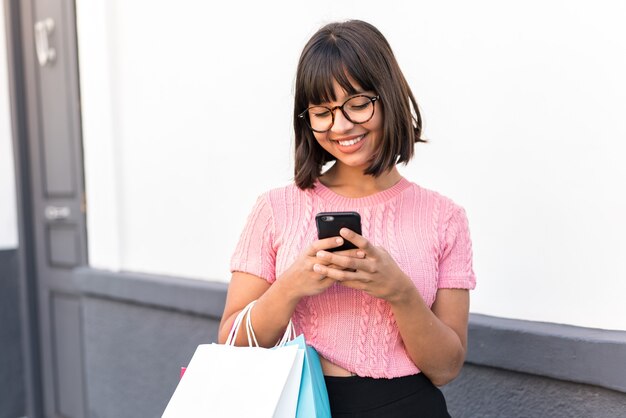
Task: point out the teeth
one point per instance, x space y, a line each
350 142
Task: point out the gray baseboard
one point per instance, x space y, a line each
12 395
575 354
138 331
140 328
487 392
173 293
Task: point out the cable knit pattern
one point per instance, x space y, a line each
426 234
390 332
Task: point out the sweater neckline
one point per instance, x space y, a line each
374 199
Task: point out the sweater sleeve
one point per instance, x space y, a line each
455 263
255 253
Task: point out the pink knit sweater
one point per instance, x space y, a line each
426 234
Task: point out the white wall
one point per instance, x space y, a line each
8 215
523 103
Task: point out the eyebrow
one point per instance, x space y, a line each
345 98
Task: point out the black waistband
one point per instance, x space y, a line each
364 393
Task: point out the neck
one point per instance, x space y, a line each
352 182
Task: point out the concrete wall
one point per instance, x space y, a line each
487 392
133 355
12 397
139 330
523 104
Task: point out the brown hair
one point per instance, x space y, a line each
353 50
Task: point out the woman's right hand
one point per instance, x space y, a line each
300 280
276 302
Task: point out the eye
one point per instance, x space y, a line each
358 103
358 106
319 112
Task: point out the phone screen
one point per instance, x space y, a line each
330 223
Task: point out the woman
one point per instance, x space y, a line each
389 318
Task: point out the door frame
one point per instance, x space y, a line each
25 121
17 72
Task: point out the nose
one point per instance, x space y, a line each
341 124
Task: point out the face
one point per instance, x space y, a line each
351 144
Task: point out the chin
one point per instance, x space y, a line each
356 164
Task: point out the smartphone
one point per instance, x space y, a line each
329 224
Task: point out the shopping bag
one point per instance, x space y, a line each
223 380
313 397
227 381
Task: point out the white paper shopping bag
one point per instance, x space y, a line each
288 403
229 381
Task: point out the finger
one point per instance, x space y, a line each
357 253
354 284
323 262
334 266
343 261
321 276
356 239
336 274
323 244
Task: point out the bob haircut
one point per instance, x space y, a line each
345 51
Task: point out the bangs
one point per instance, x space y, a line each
356 57
328 62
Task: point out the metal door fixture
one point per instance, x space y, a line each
57 213
45 54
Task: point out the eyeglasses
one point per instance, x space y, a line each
357 109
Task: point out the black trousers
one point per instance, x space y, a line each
365 397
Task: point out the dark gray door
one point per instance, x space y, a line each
57 193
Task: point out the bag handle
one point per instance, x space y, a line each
234 330
290 334
290 331
249 330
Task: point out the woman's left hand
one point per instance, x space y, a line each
434 339
374 271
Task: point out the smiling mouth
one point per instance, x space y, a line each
350 142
